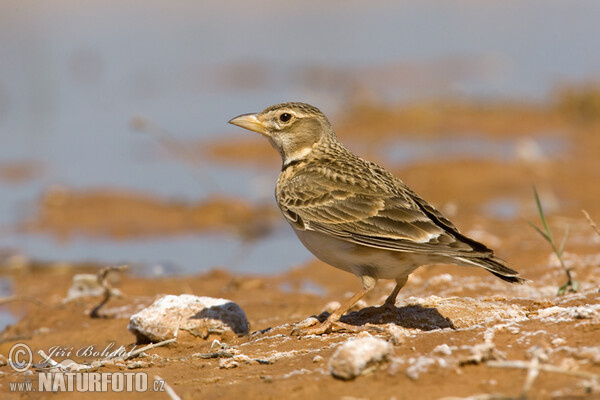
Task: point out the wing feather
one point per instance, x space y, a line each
374 214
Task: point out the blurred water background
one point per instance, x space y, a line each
73 74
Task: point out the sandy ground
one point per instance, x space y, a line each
456 332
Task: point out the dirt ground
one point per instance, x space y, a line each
456 332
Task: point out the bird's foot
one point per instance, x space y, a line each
311 326
389 307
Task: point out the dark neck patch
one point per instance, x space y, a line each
291 164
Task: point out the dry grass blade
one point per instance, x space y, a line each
137 352
571 285
543 367
167 388
591 221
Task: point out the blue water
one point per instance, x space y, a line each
74 74
6 318
412 150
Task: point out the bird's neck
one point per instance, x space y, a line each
296 157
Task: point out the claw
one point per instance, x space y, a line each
328 326
320 329
304 326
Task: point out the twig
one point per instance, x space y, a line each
542 367
47 358
532 373
100 363
108 292
167 388
591 221
217 354
62 367
151 346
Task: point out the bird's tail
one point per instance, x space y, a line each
496 266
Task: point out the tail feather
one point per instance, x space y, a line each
497 267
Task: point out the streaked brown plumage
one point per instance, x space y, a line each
352 213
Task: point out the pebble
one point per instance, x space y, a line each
443 349
353 357
197 315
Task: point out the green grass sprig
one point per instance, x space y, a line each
571 285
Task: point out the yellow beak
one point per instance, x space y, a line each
250 122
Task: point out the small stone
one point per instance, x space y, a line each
418 366
137 364
397 333
550 311
582 312
481 353
197 315
353 357
443 349
317 359
228 363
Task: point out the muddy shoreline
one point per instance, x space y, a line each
456 332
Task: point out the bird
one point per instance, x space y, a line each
355 215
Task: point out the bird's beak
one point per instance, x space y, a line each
250 122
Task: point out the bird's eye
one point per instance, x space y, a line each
285 117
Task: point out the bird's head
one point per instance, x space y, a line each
293 129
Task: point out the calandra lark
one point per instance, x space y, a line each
355 215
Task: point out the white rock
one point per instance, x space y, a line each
197 315
443 349
397 333
482 352
582 312
550 311
228 363
418 366
355 355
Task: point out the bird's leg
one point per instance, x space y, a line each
368 283
390 302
